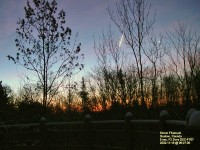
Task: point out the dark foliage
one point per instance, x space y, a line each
6 106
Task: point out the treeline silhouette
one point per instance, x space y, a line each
14 110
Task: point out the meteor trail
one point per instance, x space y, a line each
121 40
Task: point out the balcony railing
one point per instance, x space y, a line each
127 134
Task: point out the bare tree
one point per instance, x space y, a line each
84 96
132 18
154 53
43 44
184 44
70 91
111 63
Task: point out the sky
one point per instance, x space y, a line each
87 18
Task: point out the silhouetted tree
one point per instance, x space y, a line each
6 105
196 81
172 89
154 53
131 85
29 92
132 17
29 111
111 63
121 76
4 99
43 44
84 96
184 56
70 90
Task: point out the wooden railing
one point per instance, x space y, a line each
127 134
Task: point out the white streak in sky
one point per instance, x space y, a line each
121 40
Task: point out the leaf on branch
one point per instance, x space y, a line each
11 58
17 56
64 66
78 49
68 30
22 23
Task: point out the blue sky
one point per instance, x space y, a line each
88 18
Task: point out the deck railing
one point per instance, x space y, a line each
127 134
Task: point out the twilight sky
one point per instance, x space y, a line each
88 18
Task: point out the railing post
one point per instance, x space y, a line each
193 128
128 118
189 113
43 135
89 142
164 115
3 138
